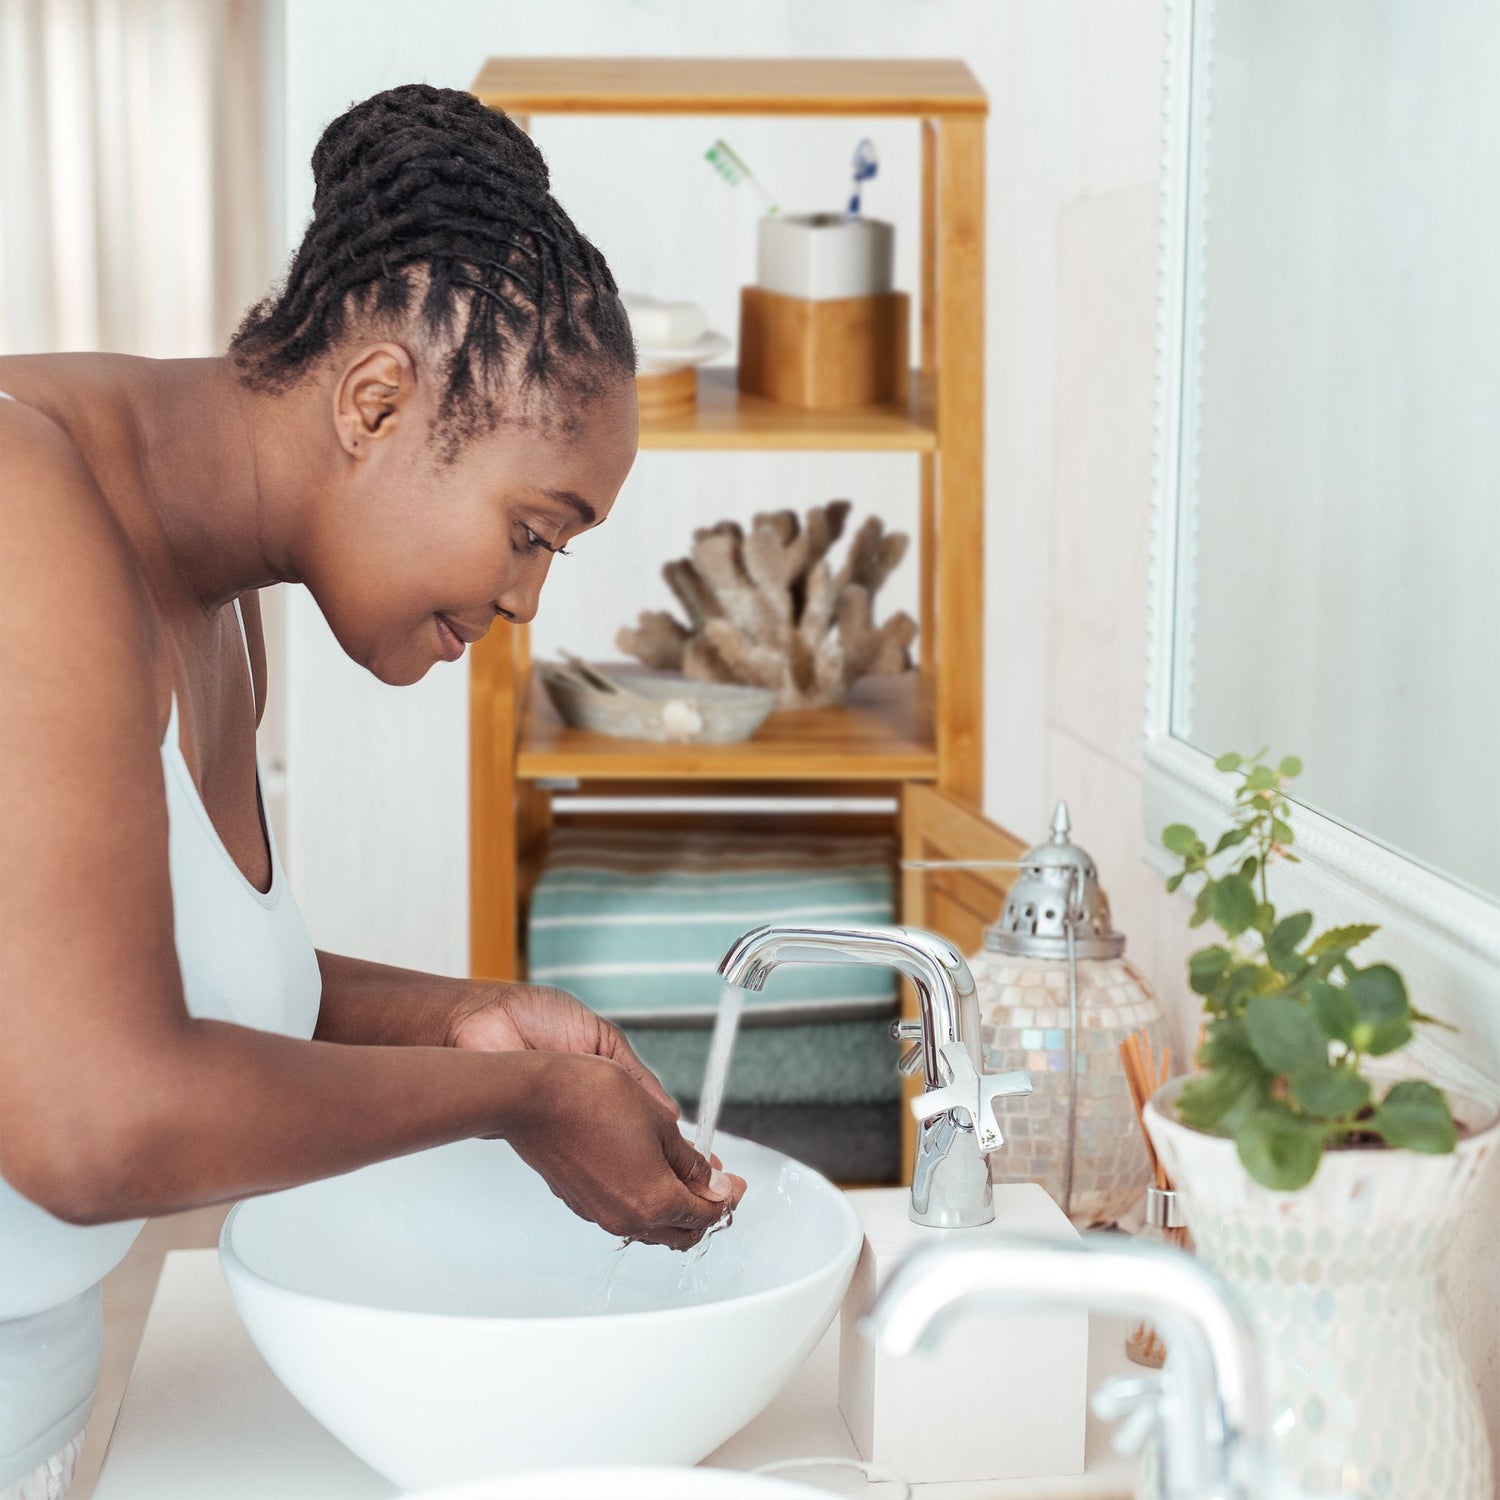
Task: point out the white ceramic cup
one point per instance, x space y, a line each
823 256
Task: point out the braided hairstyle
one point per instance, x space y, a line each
432 214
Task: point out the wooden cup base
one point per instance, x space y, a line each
674 394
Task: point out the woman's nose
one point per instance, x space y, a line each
518 603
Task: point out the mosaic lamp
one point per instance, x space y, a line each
1056 996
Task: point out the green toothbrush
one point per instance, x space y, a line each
731 167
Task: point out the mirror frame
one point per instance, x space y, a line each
1444 937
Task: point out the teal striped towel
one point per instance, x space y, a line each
635 921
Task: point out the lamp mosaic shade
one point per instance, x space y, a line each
1025 1022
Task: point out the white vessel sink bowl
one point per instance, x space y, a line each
634 1483
440 1314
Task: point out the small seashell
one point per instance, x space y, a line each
681 719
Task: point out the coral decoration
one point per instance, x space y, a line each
765 609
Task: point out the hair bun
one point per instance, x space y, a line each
379 130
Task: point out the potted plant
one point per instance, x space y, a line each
1315 1179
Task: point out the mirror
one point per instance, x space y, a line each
1338 483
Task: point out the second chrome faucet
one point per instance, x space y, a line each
957 1128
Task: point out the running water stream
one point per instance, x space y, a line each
716 1073
599 1288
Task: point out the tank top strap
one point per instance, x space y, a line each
239 615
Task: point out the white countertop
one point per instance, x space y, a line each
204 1416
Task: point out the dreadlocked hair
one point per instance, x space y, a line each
431 209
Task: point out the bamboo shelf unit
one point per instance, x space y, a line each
918 737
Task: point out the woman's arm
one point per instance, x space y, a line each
113 1101
373 1004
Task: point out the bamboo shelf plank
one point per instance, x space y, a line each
727 418
916 87
884 733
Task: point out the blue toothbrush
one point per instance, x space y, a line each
865 167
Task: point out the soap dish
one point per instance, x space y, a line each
631 703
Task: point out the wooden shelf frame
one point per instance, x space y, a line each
884 733
729 419
931 731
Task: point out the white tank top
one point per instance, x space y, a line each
245 957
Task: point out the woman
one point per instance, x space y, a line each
439 400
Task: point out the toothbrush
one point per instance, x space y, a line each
865 167
731 167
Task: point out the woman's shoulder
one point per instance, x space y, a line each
68 565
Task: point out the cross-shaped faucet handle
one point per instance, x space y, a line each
973 1092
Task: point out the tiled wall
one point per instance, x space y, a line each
1076 137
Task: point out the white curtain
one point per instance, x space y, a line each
136 212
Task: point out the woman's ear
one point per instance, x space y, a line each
369 400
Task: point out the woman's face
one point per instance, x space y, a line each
413 558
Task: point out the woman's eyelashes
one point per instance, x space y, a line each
534 543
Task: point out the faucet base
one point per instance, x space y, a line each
950 1183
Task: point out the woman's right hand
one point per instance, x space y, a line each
616 1155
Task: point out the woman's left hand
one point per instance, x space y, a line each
536 1017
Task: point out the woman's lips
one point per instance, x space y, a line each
450 642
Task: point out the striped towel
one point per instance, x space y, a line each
635 921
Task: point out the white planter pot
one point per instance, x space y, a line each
1369 1393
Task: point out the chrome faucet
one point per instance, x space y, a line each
957 1127
1210 1401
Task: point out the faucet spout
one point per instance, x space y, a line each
945 989
1213 1414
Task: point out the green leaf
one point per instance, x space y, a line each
1284 1034
1341 939
1260 779
1284 940
1179 838
1281 831
1229 761
1422 1018
1268 981
1233 1083
1330 1093
1290 766
1415 1116
1265 918
1239 983
1230 837
1233 904
1278 1150
1173 881
1218 1100
1334 1009
1206 968
1379 996
1203 906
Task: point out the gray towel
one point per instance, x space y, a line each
849 1143
821 1062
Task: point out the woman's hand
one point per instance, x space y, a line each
527 1017
614 1154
